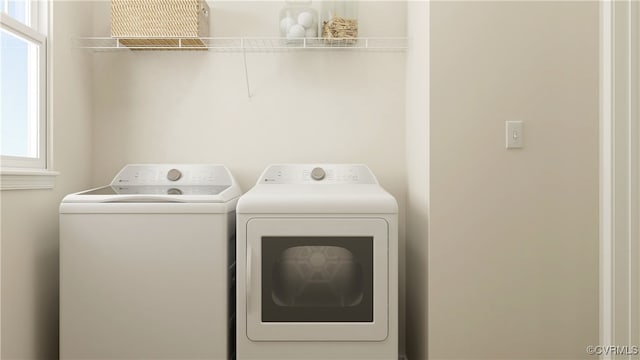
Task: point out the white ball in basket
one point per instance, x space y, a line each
296 32
311 32
305 19
286 24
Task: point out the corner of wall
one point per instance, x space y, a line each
417 155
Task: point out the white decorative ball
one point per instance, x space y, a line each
296 32
311 32
305 19
286 24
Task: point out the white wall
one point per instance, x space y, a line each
417 152
513 241
30 218
306 106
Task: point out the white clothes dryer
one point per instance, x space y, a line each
317 261
147 265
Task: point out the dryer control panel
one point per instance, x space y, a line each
317 174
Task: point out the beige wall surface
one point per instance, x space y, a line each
513 235
29 234
306 107
192 107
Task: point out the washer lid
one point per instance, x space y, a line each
164 183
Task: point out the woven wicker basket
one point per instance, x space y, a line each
149 23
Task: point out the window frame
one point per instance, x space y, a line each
24 172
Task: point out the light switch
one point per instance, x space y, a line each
515 134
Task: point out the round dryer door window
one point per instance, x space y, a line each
312 276
317 278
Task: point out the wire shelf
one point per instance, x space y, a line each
241 44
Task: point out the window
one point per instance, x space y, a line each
23 93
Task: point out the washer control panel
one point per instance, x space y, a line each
317 174
172 175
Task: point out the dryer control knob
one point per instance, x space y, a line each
317 173
174 175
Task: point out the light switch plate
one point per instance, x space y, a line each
514 134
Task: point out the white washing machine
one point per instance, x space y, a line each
317 265
147 265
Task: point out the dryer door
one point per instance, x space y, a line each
317 279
